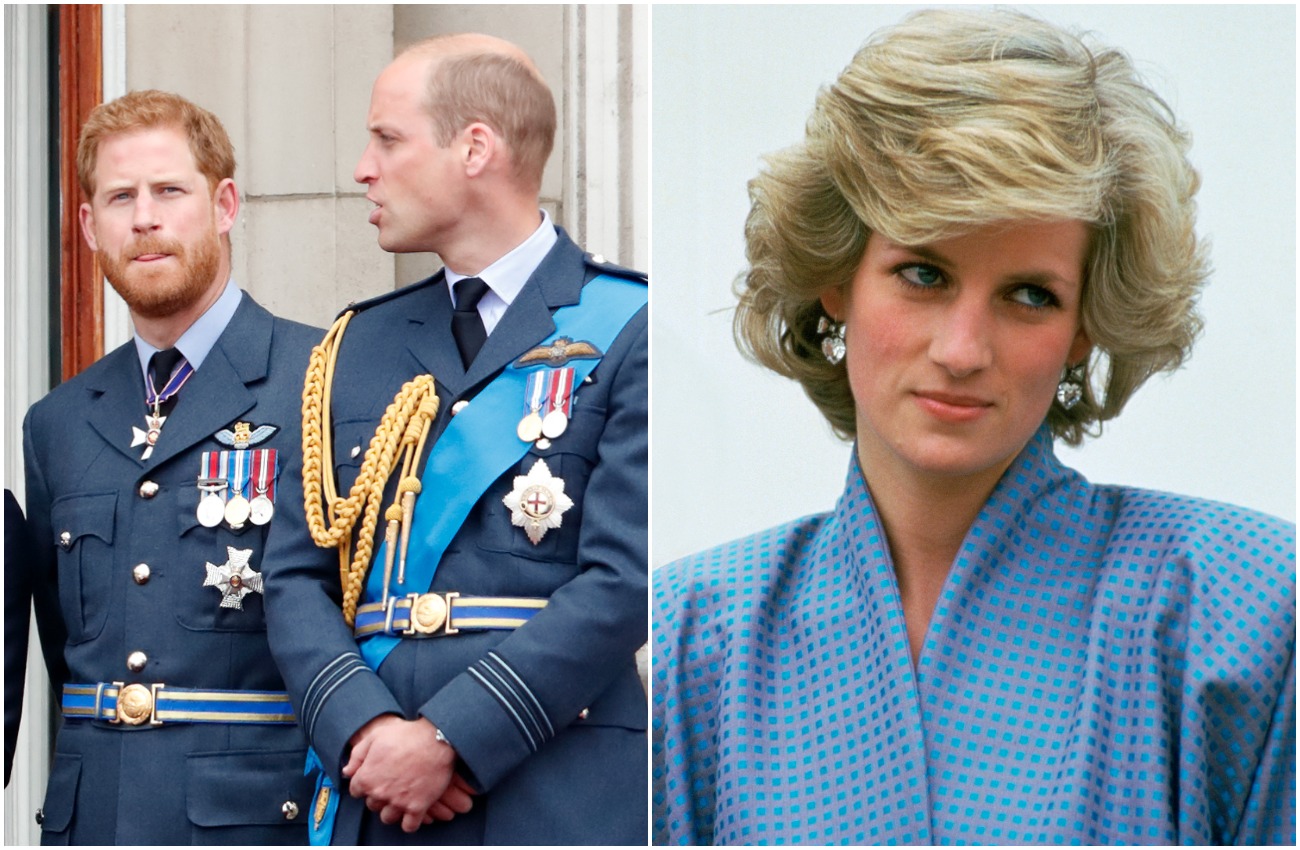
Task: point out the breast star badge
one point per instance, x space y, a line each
235 578
537 504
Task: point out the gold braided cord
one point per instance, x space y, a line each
404 427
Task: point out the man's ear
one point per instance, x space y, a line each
86 216
225 204
481 148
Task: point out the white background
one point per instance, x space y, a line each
736 449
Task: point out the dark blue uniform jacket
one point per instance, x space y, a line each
585 781
175 783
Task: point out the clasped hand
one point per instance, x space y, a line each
405 773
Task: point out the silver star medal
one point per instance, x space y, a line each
537 504
147 438
235 578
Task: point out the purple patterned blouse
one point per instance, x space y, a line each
1104 665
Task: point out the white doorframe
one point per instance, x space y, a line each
27 335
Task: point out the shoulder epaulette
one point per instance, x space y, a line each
375 301
596 261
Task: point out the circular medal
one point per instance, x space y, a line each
554 424
236 511
530 427
210 511
260 510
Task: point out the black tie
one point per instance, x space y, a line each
466 323
161 365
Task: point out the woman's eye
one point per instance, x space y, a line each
1033 296
921 275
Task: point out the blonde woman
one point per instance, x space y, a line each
984 244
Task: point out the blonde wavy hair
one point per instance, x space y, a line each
956 119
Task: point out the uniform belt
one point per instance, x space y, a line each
156 704
436 614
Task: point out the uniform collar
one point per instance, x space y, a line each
508 275
199 337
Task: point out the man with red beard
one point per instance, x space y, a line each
151 485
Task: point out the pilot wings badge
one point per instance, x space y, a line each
245 435
559 352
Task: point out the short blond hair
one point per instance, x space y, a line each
953 120
497 89
147 110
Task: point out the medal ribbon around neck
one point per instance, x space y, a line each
154 397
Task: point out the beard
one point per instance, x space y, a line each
158 293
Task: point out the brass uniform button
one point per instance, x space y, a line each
140 573
135 661
148 489
459 406
290 809
65 541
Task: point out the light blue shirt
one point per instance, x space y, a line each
199 338
508 275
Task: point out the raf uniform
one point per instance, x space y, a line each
152 643
559 753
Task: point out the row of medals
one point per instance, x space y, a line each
534 428
235 511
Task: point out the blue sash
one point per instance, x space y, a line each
479 444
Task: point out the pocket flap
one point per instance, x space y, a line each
624 704
83 515
246 788
61 794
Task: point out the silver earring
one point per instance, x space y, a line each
1069 392
832 339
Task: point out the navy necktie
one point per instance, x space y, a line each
161 366
466 324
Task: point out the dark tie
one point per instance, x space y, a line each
161 365
466 323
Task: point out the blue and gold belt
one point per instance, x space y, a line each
156 704
435 614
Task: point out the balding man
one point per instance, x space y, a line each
475 448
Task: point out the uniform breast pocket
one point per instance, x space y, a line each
83 535
215 578
568 463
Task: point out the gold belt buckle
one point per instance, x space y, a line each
137 703
430 613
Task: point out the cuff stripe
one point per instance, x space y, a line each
519 703
312 726
539 711
326 682
326 673
532 744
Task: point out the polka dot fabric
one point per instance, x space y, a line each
1105 666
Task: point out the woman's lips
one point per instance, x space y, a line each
949 407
